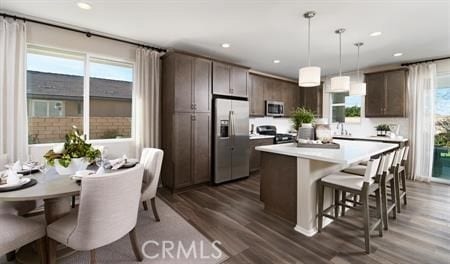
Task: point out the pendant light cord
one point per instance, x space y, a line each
357 66
340 54
309 41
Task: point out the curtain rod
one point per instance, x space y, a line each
87 33
431 60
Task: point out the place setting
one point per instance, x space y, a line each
13 178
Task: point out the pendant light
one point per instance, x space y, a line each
309 76
359 87
340 83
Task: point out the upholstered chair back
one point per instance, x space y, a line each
151 159
372 167
108 208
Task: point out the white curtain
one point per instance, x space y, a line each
13 99
421 83
147 99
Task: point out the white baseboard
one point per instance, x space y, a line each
311 232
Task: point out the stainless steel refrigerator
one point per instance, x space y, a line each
231 146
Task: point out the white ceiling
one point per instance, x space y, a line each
261 31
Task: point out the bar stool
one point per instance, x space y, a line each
354 184
385 176
400 177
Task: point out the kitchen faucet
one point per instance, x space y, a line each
340 124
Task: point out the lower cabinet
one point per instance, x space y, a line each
187 143
255 156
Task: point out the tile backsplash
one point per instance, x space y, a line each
365 128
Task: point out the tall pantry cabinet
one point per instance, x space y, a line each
186 120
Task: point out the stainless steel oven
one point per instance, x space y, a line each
274 108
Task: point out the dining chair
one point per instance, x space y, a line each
151 159
357 185
16 231
107 211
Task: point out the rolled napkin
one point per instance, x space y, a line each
117 163
13 177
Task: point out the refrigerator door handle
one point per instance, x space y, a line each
232 130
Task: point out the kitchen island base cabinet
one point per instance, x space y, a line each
283 177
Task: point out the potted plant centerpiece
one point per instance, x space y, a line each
73 155
302 119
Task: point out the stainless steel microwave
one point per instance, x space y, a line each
274 108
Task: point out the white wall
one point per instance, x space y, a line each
283 125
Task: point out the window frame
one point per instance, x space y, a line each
362 115
86 90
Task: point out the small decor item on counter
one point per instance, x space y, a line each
382 130
307 143
323 133
73 155
302 119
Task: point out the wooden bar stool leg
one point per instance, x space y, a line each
397 189
379 213
344 197
365 204
384 204
336 203
393 185
404 185
320 207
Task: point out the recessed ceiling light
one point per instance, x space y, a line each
398 54
276 61
84 5
375 34
226 45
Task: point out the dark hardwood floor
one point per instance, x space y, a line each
233 214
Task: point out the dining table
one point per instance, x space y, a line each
56 191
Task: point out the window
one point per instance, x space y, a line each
441 157
46 108
62 93
345 108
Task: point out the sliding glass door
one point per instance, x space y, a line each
441 161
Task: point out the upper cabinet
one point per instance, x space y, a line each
187 83
312 98
386 94
264 89
229 80
256 97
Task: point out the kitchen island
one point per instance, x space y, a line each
289 175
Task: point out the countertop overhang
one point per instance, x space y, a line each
350 151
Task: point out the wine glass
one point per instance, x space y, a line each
44 168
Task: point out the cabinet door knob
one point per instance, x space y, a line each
193 117
195 106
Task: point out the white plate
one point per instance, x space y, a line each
21 182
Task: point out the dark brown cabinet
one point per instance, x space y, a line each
290 96
312 98
255 156
229 80
256 98
191 148
386 94
190 81
186 120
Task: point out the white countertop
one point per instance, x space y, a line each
350 151
373 138
257 136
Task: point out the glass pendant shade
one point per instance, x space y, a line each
309 76
358 89
340 84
